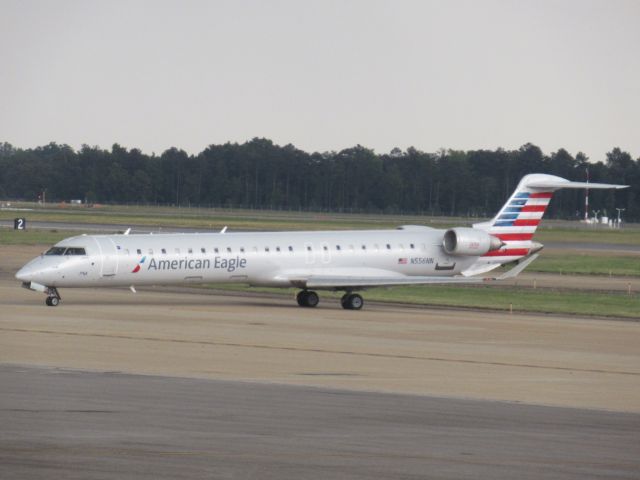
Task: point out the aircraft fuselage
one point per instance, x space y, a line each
260 259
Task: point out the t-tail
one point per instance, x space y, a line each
518 219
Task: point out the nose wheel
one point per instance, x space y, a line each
53 298
52 301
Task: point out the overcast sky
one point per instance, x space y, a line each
322 75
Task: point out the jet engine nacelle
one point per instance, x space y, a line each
469 241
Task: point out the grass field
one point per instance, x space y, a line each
550 233
493 298
213 219
33 237
587 264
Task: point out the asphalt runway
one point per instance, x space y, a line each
70 424
171 383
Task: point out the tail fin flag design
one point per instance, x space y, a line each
517 220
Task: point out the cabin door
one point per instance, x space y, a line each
108 257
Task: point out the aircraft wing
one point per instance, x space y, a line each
336 281
363 281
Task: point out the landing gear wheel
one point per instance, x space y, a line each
312 299
301 297
352 301
53 298
52 301
307 298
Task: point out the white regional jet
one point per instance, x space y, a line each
346 261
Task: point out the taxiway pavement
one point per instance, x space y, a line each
58 423
168 383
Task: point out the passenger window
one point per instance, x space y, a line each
139 251
190 251
364 247
277 249
164 251
266 249
151 251
290 248
229 249
412 246
308 248
242 249
388 246
325 248
216 250
203 250
337 247
177 250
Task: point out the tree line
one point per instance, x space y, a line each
260 174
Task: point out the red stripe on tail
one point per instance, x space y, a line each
526 223
512 237
541 195
533 208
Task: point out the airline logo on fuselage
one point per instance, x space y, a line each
218 263
139 265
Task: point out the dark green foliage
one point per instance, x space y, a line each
259 174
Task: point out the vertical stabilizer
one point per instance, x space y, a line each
517 220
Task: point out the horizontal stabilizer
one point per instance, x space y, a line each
515 271
544 184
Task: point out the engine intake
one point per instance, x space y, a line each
469 241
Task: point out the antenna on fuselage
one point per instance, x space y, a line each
224 229
127 231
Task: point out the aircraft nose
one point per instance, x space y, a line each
29 272
25 274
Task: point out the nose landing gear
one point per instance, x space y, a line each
53 297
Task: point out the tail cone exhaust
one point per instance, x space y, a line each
535 247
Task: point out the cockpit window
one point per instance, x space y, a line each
75 251
55 251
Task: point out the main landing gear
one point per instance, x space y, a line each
53 297
349 301
307 298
